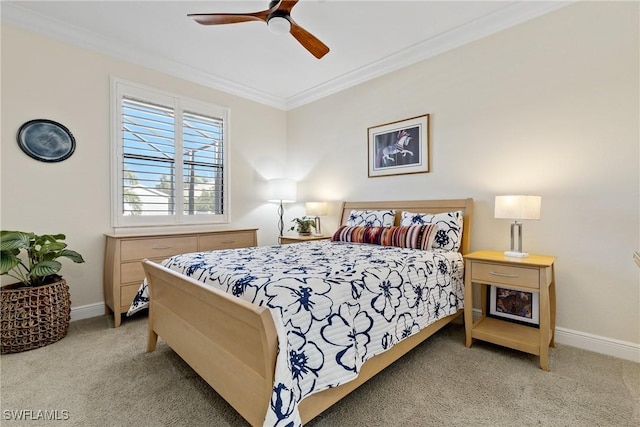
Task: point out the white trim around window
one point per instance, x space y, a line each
164 145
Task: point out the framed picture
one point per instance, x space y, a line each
399 148
46 140
515 306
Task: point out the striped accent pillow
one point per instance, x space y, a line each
357 234
412 237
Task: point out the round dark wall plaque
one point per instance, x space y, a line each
46 140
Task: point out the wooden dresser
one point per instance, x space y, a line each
123 271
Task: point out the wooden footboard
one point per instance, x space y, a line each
231 343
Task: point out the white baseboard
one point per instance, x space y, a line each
609 346
603 345
87 311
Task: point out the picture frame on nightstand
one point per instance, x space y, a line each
514 306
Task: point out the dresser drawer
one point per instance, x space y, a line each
505 275
139 249
127 294
133 271
234 240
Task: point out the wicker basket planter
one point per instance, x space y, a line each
32 317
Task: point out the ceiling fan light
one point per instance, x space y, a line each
279 25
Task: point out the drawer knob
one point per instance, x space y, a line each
502 274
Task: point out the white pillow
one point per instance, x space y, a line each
371 218
449 234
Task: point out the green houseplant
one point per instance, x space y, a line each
36 310
303 225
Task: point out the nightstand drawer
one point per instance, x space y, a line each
505 275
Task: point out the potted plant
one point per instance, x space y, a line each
35 310
303 225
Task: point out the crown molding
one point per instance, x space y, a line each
499 20
15 15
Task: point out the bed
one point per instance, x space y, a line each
233 343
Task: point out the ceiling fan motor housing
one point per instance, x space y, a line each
278 13
278 20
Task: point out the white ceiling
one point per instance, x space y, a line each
367 38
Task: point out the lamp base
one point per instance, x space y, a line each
317 227
515 254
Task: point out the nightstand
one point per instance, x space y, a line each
531 275
285 240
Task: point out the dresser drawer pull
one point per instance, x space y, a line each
502 274
160 248
226 242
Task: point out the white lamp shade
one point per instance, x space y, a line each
316 208
282 190
518 207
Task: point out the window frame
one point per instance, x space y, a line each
180 104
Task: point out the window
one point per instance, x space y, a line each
169 158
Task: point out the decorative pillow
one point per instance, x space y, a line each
356 234
371 218
412 237
449 234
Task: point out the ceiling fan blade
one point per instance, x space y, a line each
286 6
308 40
225 18
233 18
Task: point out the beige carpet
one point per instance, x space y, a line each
101 376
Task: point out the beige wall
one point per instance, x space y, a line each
550 108
44 78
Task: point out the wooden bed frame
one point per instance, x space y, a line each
232 344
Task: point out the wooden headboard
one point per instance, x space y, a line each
421 206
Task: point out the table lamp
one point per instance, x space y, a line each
282 190
316 209
517 208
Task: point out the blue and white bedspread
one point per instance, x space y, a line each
339 304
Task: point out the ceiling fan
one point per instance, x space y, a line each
277 17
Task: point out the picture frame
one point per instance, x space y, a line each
46 140
514 306
399 148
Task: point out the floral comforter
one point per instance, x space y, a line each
339 304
